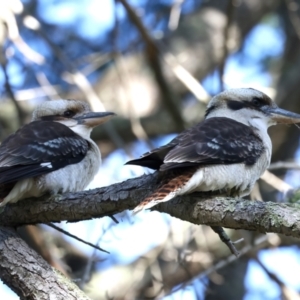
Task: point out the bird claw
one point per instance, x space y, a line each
56 197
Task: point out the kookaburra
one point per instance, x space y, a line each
54 153
227 152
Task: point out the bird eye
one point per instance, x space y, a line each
256 102
69 113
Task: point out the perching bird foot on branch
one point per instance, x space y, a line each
54 153
227 152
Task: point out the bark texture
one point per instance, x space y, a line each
29 275
195 208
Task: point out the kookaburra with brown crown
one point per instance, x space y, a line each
226 153
52 154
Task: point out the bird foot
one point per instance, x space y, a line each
56 197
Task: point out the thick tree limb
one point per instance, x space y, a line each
197 209
28 274
17 258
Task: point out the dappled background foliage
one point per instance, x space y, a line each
156 64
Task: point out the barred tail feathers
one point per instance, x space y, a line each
172 188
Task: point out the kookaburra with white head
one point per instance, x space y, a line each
227 152
52 154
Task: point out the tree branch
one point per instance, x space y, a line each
28 274
153 57
195 208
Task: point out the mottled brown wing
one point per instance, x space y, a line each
153 159
213 141
37 148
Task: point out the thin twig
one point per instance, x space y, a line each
258 244
230 13
124 76
33 93
175 15
255 193
225 239
190 82
287 292
284 165
94 62
88 269
75 237
114 219
8 18
276 182
46 86
152 53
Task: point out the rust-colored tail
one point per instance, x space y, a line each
172 183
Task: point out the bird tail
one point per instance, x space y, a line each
173 183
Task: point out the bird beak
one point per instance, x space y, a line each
283 116
93 119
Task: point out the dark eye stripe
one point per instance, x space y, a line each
235 105
256 104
